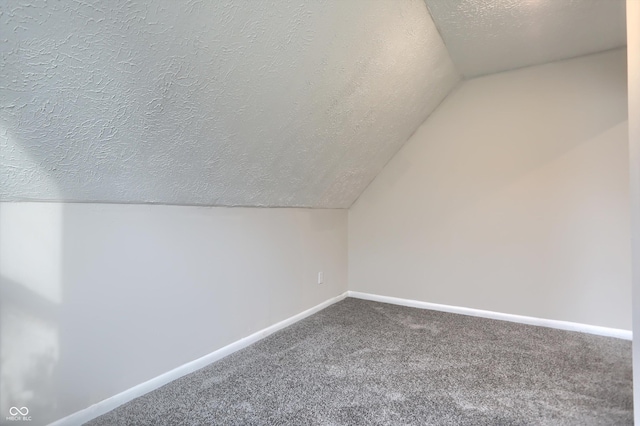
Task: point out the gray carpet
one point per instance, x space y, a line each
360 362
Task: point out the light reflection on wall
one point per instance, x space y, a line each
30 298
30 246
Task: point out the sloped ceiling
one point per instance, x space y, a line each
254 103
488 36
227 102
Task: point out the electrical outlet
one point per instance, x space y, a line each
320 277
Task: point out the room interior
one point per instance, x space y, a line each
182 180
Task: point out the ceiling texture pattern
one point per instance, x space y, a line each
259 103
252 103
488 36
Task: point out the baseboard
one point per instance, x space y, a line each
562 325
115 401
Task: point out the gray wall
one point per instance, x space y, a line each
512 197
99 298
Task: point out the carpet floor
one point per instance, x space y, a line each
360 362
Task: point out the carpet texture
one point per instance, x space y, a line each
361 362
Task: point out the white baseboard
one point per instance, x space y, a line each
115 401
562 325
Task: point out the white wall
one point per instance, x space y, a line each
633 44
512 197
98 298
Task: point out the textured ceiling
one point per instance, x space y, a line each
286 103
487 36
255 103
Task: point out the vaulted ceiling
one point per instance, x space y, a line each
488 36
257 103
